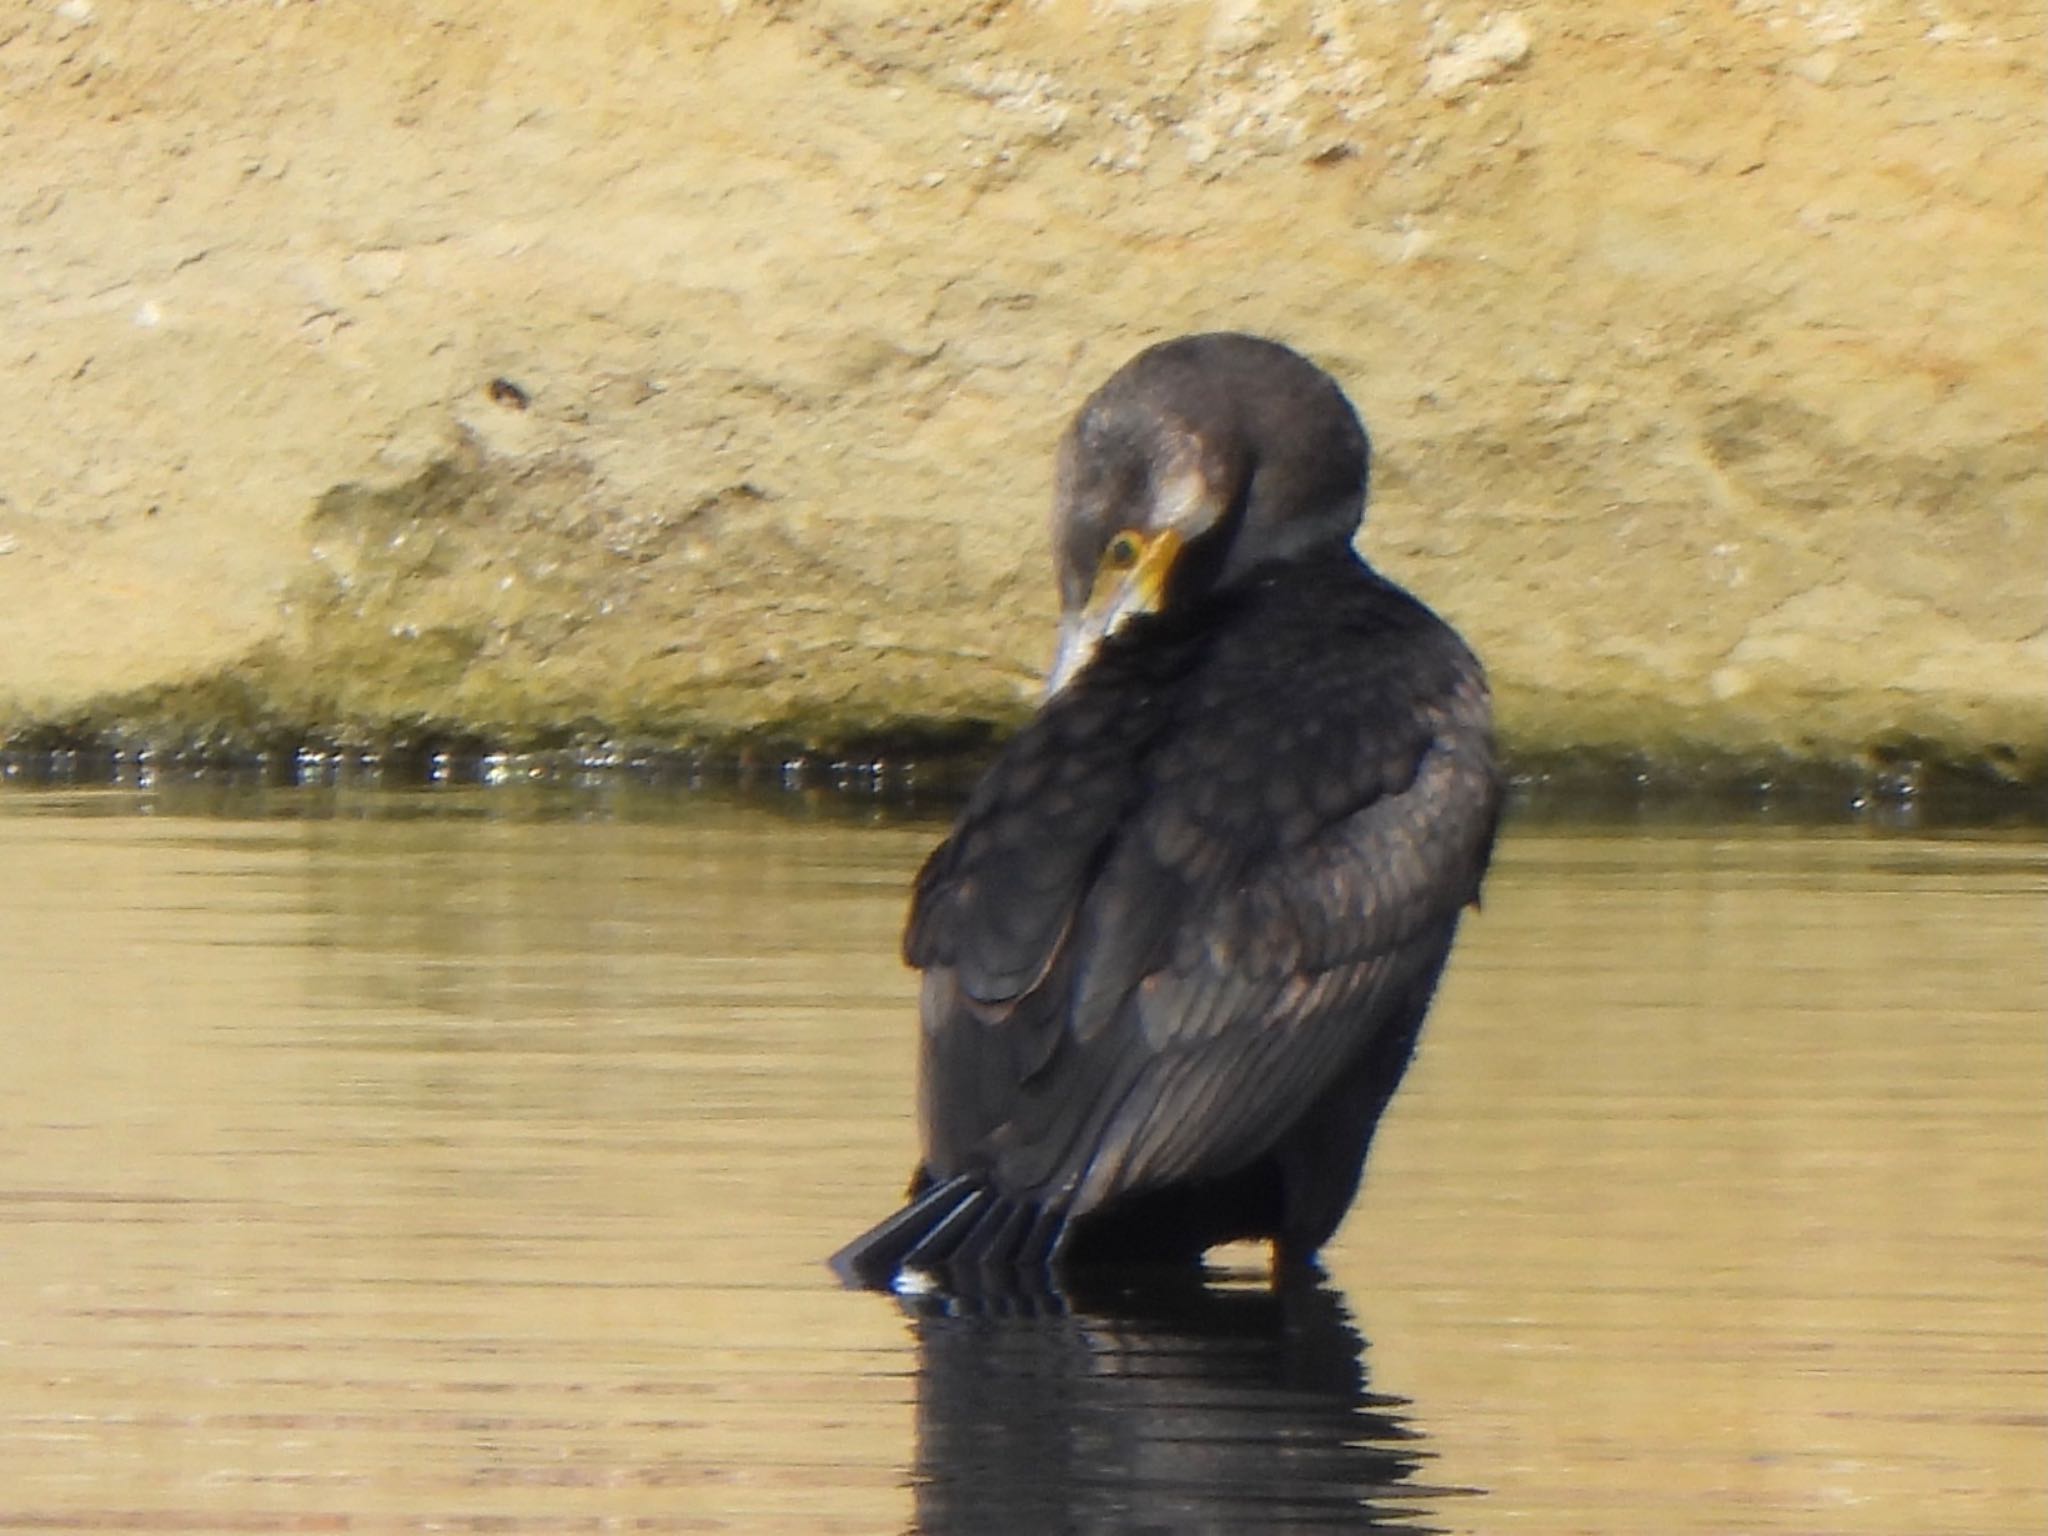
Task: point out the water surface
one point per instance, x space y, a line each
458 1160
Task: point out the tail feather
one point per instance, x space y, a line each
935 1250
1041 1245
872 1260
997 1238
954 1230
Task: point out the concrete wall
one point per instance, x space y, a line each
1702 347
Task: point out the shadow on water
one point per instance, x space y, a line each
1186 1408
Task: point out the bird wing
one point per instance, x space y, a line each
992 920
1263 998
1183 903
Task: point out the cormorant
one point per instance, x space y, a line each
1178 944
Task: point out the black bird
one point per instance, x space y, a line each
1179 943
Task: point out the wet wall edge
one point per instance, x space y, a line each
920 779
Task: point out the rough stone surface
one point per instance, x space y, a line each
675 373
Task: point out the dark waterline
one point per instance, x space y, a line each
583 785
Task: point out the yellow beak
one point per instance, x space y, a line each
1123 587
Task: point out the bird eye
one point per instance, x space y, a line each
1123 551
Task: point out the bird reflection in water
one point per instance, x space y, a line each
1183 1406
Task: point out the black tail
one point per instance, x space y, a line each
959 1232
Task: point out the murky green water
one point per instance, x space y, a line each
461 1161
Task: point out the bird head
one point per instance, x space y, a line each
1200 461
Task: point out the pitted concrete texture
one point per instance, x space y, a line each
684 374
